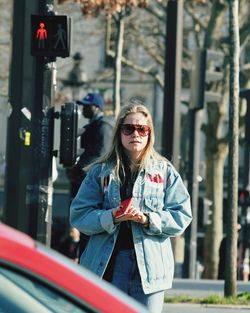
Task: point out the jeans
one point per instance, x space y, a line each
126 277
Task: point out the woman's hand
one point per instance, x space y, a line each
131 214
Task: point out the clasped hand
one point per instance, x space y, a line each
131 214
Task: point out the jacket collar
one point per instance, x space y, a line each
97 116
151 167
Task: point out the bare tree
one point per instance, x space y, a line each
118 10
205 26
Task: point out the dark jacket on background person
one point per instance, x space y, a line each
95 140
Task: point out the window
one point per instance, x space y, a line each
19 293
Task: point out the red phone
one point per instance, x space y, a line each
125 204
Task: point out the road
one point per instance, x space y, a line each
202 288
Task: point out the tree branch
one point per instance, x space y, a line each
136 67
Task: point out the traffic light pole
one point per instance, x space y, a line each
199 96
18 156
28 182
195 119
40 190
245 185
196 106
172 89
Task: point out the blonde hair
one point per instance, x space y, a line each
116 153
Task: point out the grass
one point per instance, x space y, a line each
240 299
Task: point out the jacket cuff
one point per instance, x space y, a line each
154 227
107 223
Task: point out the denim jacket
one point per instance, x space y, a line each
159 192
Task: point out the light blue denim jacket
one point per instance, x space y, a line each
159 192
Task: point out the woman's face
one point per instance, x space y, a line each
135 135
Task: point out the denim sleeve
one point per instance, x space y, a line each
87 213
176 214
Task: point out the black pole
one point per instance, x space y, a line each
196 106
18 152
193 188
246 179
172 89
28 183
39 192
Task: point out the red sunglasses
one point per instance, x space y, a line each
129 129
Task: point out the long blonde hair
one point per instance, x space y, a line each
115 155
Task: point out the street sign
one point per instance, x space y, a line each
50 35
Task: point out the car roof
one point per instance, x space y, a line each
22 251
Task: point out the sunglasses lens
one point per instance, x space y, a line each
142 130
128 129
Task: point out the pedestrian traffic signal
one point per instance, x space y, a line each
68 134
205 70
243 196
245 94
50 35
207 212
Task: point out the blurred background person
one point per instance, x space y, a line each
71 245
95 140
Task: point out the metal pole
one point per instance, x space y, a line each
245 185
193 188
18 152
196 106
28 184
172 89
39 192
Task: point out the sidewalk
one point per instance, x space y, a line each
200 289
203 308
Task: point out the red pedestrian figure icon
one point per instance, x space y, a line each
41 35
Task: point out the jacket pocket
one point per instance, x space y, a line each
152 204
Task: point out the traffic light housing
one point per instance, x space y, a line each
245 94
204 70
207 212
243 197
50 35
68 134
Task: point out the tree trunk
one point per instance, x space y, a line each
216 153
214 193
118 65
231 248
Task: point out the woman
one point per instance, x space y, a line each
133 251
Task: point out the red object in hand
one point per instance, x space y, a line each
125 204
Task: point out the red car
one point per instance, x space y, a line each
36 279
